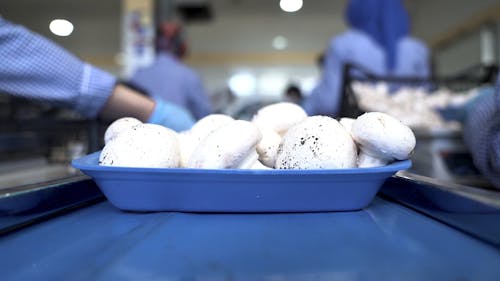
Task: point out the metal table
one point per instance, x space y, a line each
402 235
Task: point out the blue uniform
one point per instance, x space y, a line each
350 47
406 56
36 68
412 59
171 80
355 46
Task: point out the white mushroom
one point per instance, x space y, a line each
257 165
346 122
319 142
279 116
209 123
190 139
144 145
187 144
229 147
118 126
268 146
381 139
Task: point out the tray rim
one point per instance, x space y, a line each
83 164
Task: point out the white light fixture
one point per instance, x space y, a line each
307 84
290 5
271 84
61 27
280 43
242 84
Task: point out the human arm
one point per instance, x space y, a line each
126 102
481 132
33 67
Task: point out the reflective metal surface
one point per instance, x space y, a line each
473 210
24 205
488 197
29 171
441 154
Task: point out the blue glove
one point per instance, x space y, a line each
460 112
171 116
453 113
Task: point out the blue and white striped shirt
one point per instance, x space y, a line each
481 134
33 67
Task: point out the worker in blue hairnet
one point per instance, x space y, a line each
378 41
356 46
169 78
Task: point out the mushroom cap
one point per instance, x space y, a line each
209 123
319 142
118 126
347 123
190 139
227 147
279 116
144 145
268 146
381 135
257 165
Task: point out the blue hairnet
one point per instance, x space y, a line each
363 15
394 24
386 21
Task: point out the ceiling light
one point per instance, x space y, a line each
61 27
290 5
280 43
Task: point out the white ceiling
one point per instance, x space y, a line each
239 26
249 26
237 8
256 21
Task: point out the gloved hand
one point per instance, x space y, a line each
171 116
459 112
453 113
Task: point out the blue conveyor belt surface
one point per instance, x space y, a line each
385 241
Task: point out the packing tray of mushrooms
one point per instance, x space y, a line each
279 161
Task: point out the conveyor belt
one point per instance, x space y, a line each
386 241
383 242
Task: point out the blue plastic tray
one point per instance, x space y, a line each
231 190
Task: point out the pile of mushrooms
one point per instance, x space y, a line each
416 107
279 136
